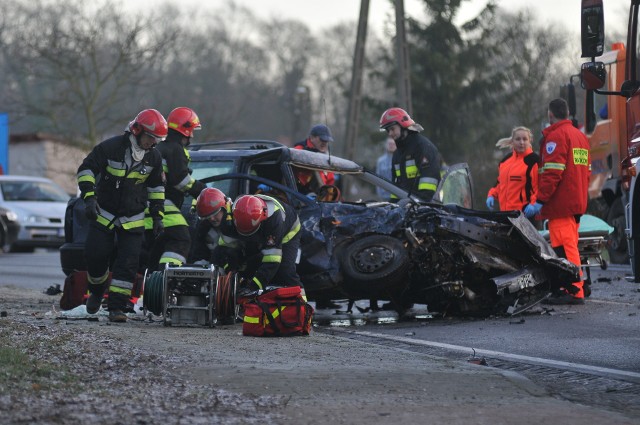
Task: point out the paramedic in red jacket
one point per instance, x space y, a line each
562 189
517 183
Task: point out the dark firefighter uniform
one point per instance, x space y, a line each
277 242
416 165
207 238
173 244
122 186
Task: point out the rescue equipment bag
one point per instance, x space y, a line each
74 290
280 312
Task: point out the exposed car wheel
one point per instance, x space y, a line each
374 263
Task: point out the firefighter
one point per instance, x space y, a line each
271 228
562 190
130 175
416 162
173 245
214 211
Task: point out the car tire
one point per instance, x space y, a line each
618 249
21 249
3 237
374 263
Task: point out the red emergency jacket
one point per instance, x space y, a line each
517 183
564 171
304 177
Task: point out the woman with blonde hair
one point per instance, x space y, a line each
517 183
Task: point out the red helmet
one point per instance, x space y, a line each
248 213
151 122
210 202
184 121
398 116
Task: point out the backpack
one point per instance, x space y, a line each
279 312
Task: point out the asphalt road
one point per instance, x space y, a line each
37 270
602 333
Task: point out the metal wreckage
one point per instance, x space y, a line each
455 260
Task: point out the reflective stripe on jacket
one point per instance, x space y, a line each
416 165
122 185
281 225
564 171
517 183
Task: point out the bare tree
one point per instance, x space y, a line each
77 69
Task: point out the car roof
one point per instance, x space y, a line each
25 178
255 149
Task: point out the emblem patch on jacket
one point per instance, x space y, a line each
425 161
550 147
271 240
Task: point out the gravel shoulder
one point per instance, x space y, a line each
142 372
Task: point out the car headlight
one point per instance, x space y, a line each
11 216
35 219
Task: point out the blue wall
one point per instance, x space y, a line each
4 142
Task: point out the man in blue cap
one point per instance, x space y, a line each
317 141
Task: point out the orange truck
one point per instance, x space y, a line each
615 76
603 119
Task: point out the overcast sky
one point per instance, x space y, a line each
323 13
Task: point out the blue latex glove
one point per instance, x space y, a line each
312 196
265 188
531 211
490 202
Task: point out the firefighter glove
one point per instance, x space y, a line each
490 203
91 209
531 211
247 288
158 226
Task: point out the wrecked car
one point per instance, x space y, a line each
355 245
443 253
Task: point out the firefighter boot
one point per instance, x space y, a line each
96 293
117 305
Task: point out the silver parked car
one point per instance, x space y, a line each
39 205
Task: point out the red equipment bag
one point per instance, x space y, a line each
281 312
75 290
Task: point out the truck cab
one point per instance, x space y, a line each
623 99
603 119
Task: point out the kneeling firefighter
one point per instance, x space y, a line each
265 225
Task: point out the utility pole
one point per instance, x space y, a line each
404 82
355 95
